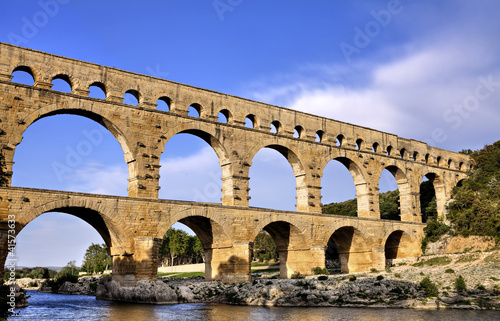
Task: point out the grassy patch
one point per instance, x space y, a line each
468 258
189 274
440 260
263 264
493 258
166 274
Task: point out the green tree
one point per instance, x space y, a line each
389 205
347 208
264 248
69 269
96 259
460 285
178 247
429 287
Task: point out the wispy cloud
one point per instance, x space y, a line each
407 95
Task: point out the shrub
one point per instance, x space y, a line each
460 285
449 271
480 287
373 270
380 277
429 287
317 270
352 278
297 275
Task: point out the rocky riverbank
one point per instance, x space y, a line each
396 287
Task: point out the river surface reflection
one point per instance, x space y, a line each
45 306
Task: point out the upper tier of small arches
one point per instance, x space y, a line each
118 86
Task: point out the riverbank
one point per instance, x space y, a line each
396 287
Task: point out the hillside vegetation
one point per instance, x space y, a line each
475 207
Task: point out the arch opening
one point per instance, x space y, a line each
346 251
72 153
275 127
340 140
375 147
388 150
274 180
289 242
190 167
97 90
403 154
194 110
66 233
196 239
163 103
338 184
390 183
131 97
297 131
250 121
62 83
224 116
23 75
392 247
319 136
359 144
180 246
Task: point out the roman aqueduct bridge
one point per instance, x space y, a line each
133 226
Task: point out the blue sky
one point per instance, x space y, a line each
409 67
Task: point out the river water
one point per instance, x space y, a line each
46 306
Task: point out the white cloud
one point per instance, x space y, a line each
97 178
408 95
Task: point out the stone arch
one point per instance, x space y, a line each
99 85
295 162
33 72
227 114
439 189
405 195
52 110
136 94
213 236
290 155
66 78
206 132
198 108
292 245
359 178
397 244
116 236
353 249
253 119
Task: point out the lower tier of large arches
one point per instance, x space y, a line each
133 229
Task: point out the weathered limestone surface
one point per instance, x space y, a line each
133 227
